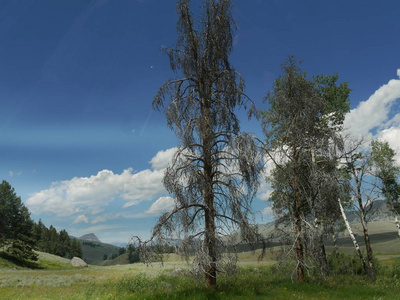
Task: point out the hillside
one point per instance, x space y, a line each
93 252
120 260
45 261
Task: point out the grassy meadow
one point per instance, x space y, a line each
54 278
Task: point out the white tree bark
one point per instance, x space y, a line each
353 238
398 226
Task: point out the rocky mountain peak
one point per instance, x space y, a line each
90 237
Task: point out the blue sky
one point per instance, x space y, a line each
78 138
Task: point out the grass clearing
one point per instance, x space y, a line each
261 282
55 278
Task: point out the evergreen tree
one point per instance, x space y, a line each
133 254
16 226
76 248
64 243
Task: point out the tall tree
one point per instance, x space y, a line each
301 129
16 226
214 174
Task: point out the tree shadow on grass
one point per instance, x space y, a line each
20 262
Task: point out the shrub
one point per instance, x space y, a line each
344 264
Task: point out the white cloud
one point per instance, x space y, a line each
374 118
91 195
392 136
163 204
81 219
163 158
106 217
374 112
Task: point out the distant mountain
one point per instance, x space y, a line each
119 244
90 237
378 211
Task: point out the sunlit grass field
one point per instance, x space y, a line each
55 278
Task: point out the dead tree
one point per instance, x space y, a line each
214 174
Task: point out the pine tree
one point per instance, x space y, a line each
16 226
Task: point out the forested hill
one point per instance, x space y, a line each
20 235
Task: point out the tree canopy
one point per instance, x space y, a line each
15 224
301 129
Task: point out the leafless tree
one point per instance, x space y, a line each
214 174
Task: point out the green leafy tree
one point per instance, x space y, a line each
301 129
387 171
16 226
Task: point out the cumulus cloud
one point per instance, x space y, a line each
81 219
375 111
90 195
392 136
374 118
163 158
163 204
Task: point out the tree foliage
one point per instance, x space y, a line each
20 235
15 225
57 243
214 174
387 171
301 129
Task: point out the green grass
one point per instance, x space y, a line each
55 278
250 283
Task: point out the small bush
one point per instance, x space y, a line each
344 264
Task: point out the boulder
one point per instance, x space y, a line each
78 262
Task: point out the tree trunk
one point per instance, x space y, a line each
371 266
211 269
297 221
334 240
398 227
322 253
353 238
209 240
